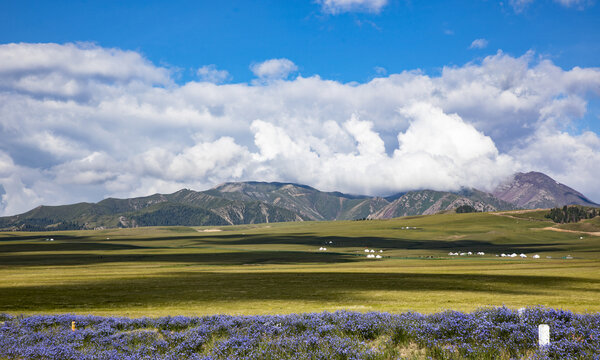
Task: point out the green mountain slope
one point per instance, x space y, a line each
184 207
171 214
245 203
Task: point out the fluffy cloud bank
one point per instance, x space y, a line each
80 122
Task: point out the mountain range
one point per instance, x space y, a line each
260 202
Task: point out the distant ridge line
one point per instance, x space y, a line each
249 202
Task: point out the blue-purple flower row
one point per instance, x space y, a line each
490 333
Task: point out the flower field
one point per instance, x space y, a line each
488 333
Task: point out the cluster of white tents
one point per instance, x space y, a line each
376 254
508 255
50 239
468 253
371 254
522 256
480 253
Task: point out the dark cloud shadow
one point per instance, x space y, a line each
66 246
381 243
5 237
213 258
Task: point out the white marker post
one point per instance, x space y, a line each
544 335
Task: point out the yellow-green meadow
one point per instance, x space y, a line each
278 267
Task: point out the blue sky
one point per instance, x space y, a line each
402 35
375 97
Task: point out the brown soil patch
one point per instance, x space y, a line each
507 214
455 237
571 231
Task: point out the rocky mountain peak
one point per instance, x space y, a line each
534 190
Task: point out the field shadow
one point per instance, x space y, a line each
380 243
100 238
214 287
214 258
40 236
67 246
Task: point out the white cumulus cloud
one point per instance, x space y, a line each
210 73
90 128
15 194
570 159
274 69
71 69
479 44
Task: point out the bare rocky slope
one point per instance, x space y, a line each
306 201
427 202
535 190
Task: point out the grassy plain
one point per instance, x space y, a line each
277 268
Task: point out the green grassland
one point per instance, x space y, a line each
277 268
589 225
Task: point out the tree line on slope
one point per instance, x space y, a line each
572 214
